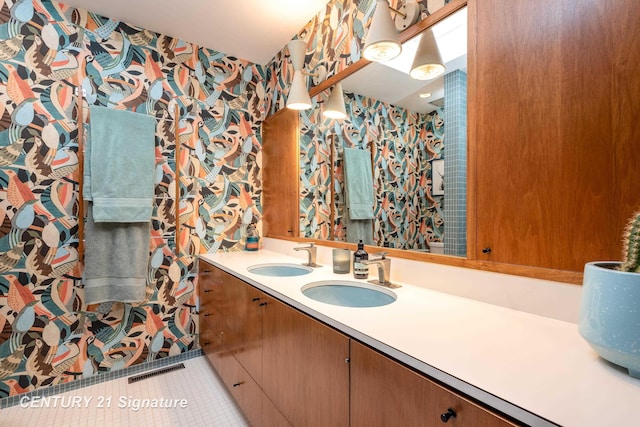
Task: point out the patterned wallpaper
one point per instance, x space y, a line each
407 215
49 334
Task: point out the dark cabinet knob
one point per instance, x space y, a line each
206 291
207 343
262 304
448 415
238 384
207 314
486 250
255 299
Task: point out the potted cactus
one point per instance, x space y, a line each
610 309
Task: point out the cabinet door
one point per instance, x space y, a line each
306 370
554 130
244 390
280 174
243 324
211 312
385 393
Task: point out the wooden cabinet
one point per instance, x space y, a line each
211 314
553 111
306 370
385 393
243 324
285 368
280 175
281 366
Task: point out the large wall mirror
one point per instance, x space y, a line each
414 132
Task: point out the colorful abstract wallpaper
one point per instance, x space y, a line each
49 53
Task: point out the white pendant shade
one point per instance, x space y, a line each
334 107
297 50
298 98
428 63
383 41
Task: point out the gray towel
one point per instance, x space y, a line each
359 229
119 165
116 260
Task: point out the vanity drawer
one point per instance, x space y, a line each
384 392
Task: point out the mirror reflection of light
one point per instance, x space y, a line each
451 37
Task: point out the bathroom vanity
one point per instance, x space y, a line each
426 352
284 367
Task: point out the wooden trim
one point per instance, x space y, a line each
81 209
176 124
472 132
332 214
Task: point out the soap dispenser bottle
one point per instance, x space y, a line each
360 270
252 241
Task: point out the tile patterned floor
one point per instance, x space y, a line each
113 403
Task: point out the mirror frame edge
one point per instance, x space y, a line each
470 261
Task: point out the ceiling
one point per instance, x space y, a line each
254 30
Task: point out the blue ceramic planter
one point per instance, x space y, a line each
610 314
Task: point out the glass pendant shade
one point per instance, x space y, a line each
334 107
298 98
383 41
428 63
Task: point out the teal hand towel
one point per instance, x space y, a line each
358 183
121 164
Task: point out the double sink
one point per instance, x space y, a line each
345 293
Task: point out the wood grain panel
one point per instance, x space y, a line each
305 370
280 174
549 145
385 393
243 324
210 316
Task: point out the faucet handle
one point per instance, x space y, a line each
381 254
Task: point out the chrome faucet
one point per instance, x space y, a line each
384 270
312 251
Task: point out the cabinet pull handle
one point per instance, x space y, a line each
347 360
448 415
238 384
486 250
262 304
206 291
207 314
255 299
207 343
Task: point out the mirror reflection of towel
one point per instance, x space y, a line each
359 199
358 183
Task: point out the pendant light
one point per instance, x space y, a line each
334 107
298 98
383 41
427 63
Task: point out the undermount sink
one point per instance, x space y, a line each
280 270
348 294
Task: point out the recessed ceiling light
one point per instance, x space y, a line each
425 95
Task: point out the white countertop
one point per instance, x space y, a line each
531 367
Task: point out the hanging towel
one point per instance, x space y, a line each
116 260
358 183
120 165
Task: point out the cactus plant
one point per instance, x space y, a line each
632 245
